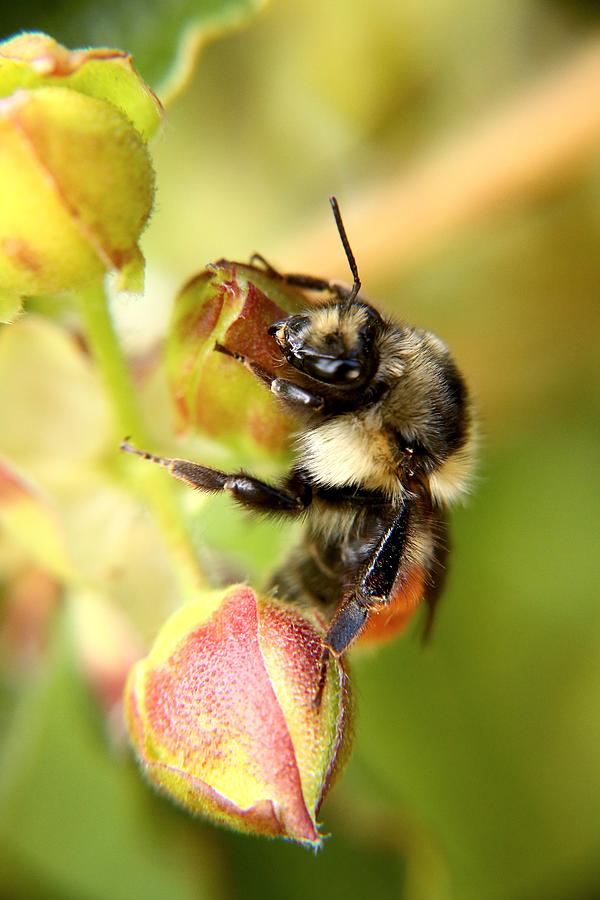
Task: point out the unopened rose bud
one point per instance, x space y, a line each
225 714
76 180
232 305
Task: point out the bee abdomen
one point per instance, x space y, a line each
313 576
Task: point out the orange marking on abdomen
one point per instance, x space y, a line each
385 622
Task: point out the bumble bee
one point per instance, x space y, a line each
385 444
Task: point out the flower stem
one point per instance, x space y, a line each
156 489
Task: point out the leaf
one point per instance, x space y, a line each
77 821
163 37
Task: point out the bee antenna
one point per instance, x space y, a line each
347 249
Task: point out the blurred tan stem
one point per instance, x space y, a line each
545 134
156 489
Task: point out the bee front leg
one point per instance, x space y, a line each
374 586
281 387
309 282
292 497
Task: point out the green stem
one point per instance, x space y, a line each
156 489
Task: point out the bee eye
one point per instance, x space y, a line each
330 361
332 370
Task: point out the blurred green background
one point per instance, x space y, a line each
475 773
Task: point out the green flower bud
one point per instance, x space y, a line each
76 180
34 60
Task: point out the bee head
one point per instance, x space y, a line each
333 344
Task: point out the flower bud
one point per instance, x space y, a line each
30 600
33 59
232 305
76 179
224 716
27 517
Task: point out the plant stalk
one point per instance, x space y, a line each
155 487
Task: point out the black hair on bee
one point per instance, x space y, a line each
385 445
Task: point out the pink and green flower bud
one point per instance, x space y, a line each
31 597
233 305
29 519
76 179
223 716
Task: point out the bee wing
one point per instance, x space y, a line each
435 576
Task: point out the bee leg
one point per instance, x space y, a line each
269 269
286 390
293 497
265 377
309 282
320 285
374 586
293 393
347 624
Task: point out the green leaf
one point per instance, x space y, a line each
77 820
163 37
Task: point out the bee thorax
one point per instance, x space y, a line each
347 451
